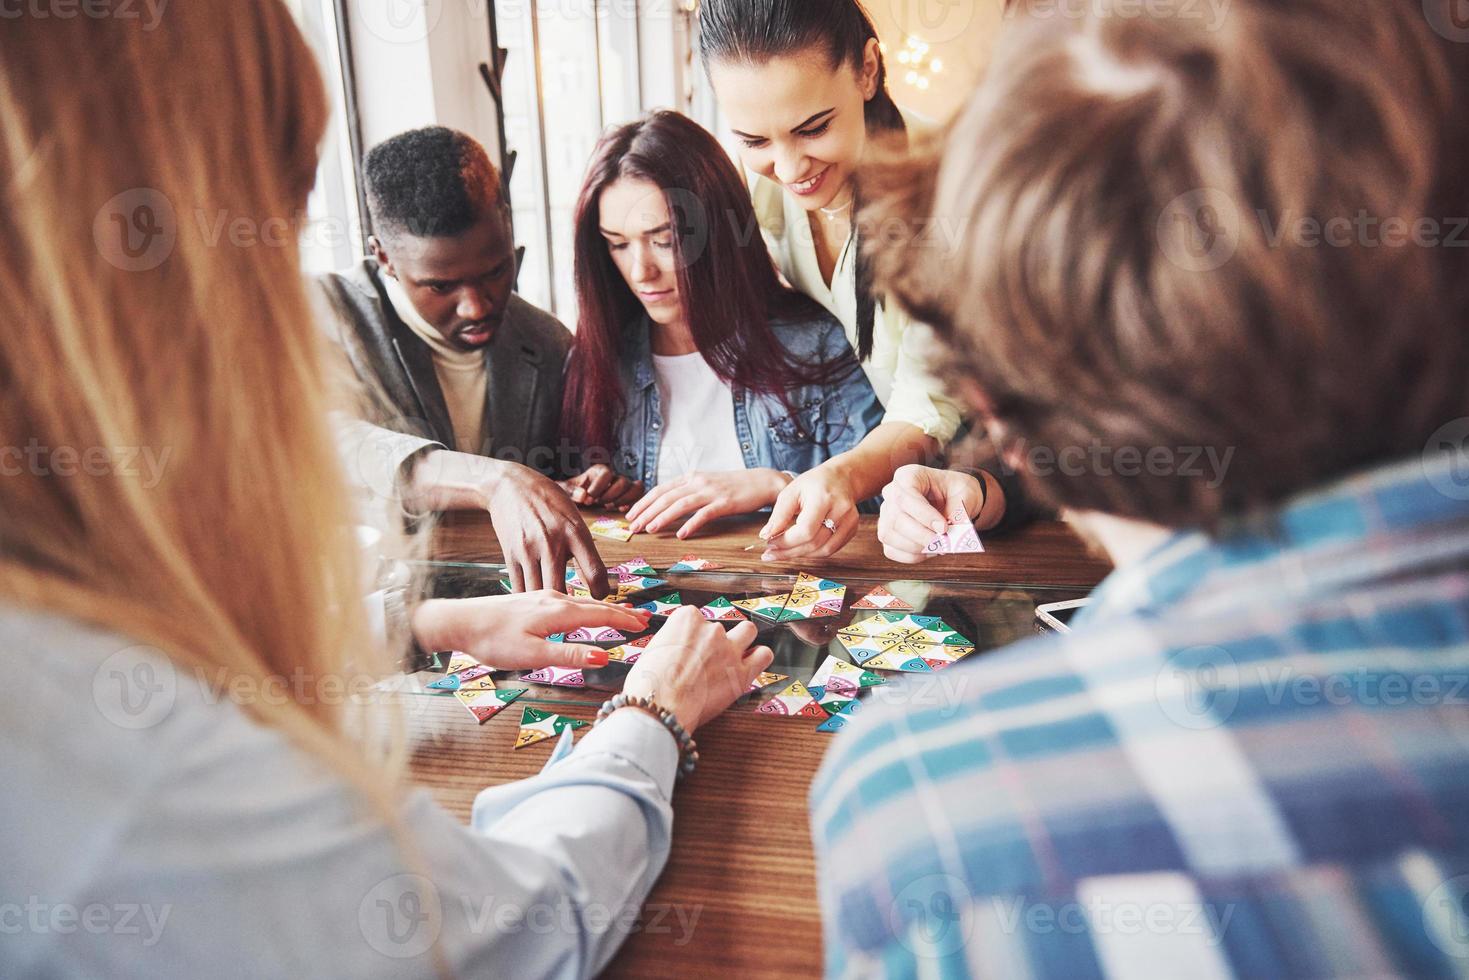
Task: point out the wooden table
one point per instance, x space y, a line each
740 884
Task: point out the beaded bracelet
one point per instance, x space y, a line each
688 750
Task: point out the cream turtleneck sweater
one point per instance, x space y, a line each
462 375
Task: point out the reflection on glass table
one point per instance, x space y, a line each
987 616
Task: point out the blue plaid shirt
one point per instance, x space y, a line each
1251 759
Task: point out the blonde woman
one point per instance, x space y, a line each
181 789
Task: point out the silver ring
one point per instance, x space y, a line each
830 525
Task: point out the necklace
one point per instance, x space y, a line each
837 212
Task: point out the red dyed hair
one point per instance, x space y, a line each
725 276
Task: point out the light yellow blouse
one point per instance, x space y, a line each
897 368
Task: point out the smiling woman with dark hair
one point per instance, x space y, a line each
695 370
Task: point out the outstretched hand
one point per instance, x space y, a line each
510 632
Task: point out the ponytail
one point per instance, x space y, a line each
755 31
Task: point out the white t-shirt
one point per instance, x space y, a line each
698 418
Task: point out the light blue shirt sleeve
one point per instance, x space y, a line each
159 831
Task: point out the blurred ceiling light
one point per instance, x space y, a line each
920 65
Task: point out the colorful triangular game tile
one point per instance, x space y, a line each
537 726
766 606
626 586
557 677
881 598
941 633
959 538
793 700
453 661
455 681
576 586
863 650
478 684
939 657
595 634
628 653
766 679
895 661
693 563
841 719
611 527
484 705
721 610
832 701
813 598
836 675
882 626
664 607
633 566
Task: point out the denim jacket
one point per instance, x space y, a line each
830 418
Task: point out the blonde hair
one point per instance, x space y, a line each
134 316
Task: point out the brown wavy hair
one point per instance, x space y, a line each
1109 242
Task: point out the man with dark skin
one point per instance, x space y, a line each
464 375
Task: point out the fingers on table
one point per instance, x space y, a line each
553 573
709 512
588 561
578 612
574 655
599 479
743 635
671 504
651 503
787 506
624 493
817 534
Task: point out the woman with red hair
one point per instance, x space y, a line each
696 372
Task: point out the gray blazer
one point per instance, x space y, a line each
525 360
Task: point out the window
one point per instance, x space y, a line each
576 67
333 237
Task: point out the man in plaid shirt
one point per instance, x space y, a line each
1251 756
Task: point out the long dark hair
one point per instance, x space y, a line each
755 31
726 279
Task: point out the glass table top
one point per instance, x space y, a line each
988 615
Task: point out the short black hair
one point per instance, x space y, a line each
433 182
